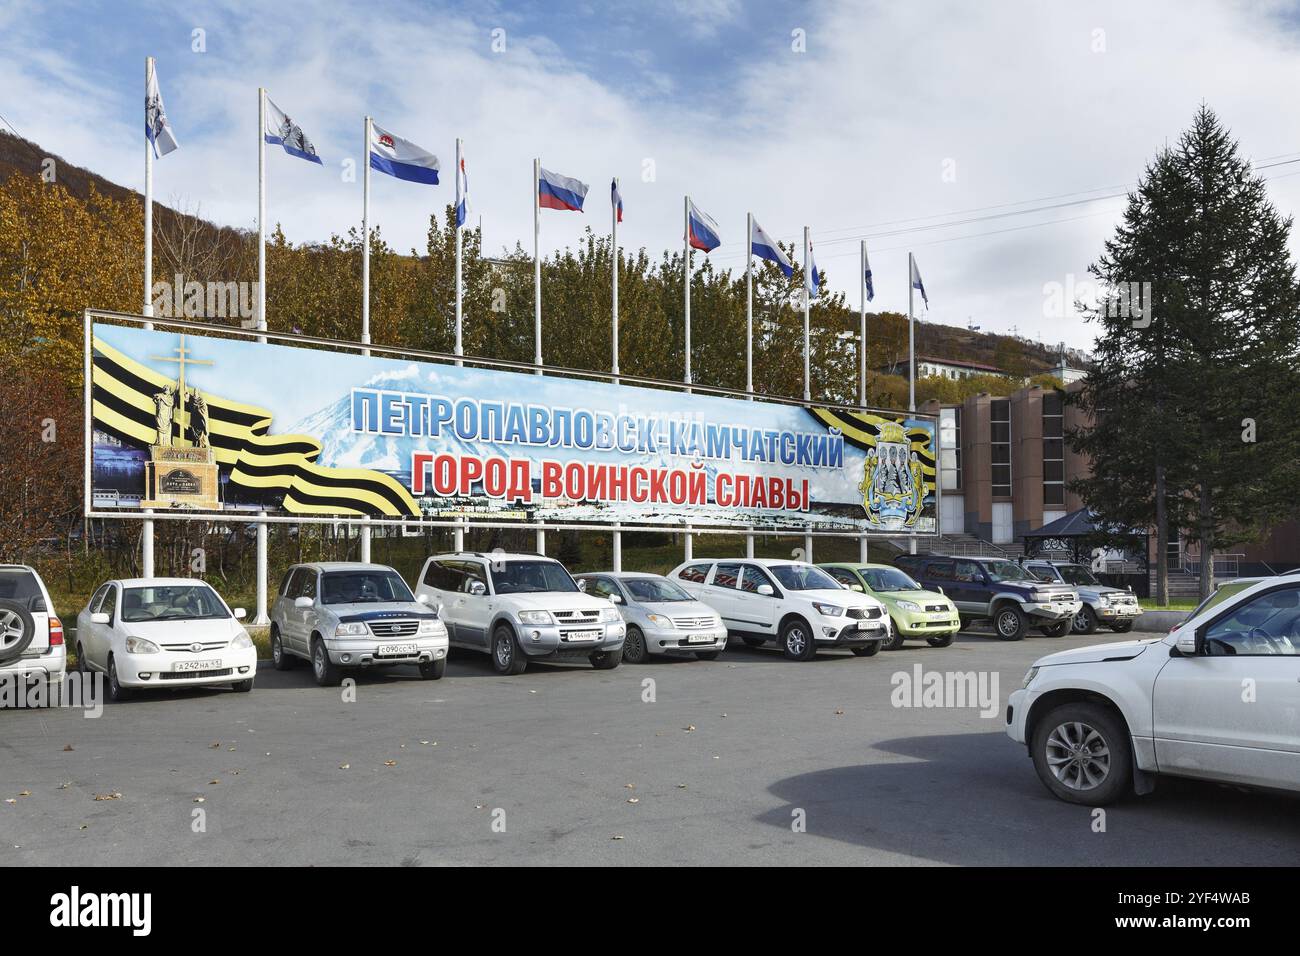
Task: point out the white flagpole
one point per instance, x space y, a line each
911 336
688 541
458 536
263 558
807 305
863 545
459 293
146 531
537 266
537 295
613 243
862 327
749 335
807 377
911 359
365 290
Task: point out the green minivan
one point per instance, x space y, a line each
915 612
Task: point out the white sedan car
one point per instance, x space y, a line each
1217 699
163 632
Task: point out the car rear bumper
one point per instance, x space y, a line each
51 665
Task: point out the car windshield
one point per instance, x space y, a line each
1221 594
1077 574
177 602
20 585
1007 571
654 590
803 577
889 579
524 577
363 587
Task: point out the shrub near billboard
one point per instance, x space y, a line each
184 421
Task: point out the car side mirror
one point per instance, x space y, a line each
440 607
240 614
856 587
616 598
422 599
302 602
1188 643
99 617
582 586
766 589
939 588
477 588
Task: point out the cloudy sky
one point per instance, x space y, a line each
983 137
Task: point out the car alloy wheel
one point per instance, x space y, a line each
1078 755
505 652
1008 623
318 660
13 630
796 641
634 647
1085 622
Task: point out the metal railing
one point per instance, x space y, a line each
1224 565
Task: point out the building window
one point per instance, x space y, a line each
1053 450
950 448
1000 442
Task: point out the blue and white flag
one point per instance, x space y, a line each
462 187
399 157
812 280
765 247
156 128
282 131
866 278
918 285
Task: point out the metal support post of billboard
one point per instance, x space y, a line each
365 286
688 545
864 549
618 550
260 613
686 285
613 243
146 531
541 540
808 279
749 335
458 537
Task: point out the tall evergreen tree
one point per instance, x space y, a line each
1194 400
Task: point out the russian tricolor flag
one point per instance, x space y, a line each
763 246
559 192
616 199
701 230
401 158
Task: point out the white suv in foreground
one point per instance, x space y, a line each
521 607
31 636
1217 699
798 605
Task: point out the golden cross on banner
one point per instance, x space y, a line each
181 359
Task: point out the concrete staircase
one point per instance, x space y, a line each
1183 586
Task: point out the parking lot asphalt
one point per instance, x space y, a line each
713 763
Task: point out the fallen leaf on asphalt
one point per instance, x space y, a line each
633 799
230 749
65 785
617 836
344 766
390 763
108 796
10 800
200 799
215 746
681 786
82 827
839 711
24 793
689 728
629 786
67 748
724 715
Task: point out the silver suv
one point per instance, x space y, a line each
341 615
1102 604
521 607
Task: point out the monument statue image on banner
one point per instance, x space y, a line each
181 472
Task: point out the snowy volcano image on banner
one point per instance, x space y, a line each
231 425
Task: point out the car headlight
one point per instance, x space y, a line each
1042 597
830 610
1103 600
660 621
907 606
535 617
1029 677
138 645
717 620
428 627
610 614
355 629
242 641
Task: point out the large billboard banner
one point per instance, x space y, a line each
194 422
